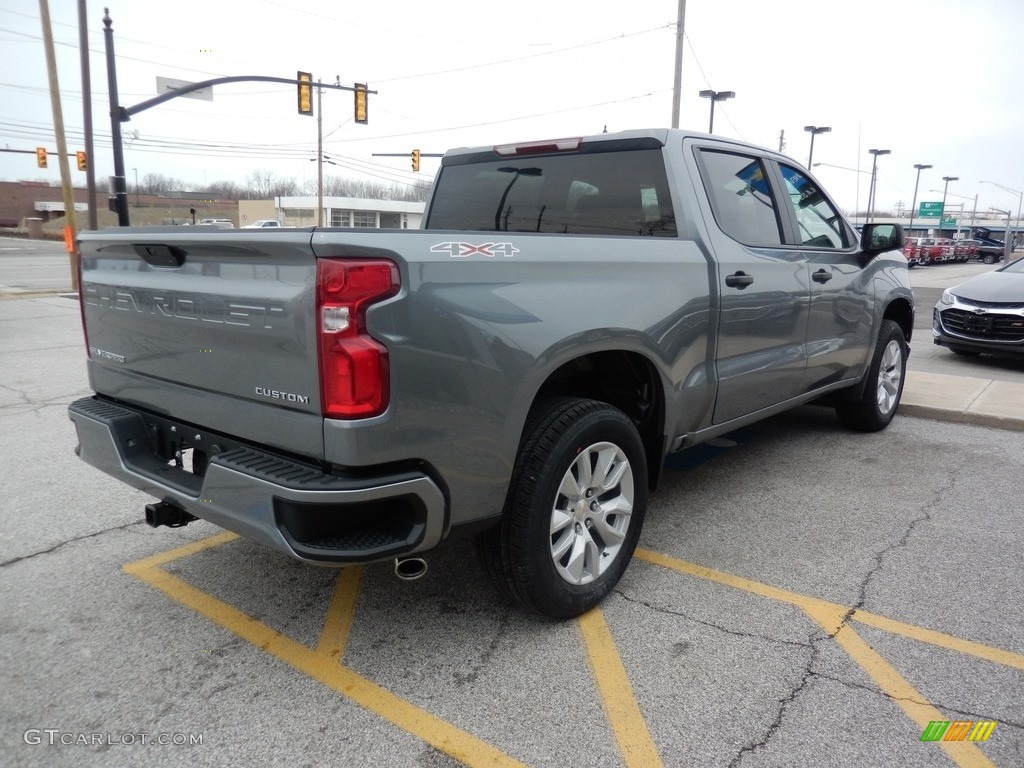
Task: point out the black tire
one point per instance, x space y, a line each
522 556
884 386
988 258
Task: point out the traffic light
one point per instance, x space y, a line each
415 159
361 103
41 157
82 164
305 93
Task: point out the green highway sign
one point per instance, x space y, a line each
930 210
951 220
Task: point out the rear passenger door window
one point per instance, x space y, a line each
818 223
741 197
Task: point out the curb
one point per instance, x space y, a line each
964 400
936 413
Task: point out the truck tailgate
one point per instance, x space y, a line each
215 329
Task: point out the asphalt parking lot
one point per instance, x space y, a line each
802 595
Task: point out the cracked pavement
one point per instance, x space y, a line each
920 524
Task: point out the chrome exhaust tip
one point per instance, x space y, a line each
410 568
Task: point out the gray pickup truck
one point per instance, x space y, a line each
570 312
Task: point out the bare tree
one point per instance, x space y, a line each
259 183
158 184
337 186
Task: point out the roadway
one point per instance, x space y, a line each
29 266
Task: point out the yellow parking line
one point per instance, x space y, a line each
986 652
340 614
830 617
908 698
425 726
620 704
184 551
824 607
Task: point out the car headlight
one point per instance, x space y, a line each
947 297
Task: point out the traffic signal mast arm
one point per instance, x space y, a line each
125 113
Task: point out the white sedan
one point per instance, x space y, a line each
265 224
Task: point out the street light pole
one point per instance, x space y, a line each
814 130
1020 199
715 96
874 172
913 206
942 211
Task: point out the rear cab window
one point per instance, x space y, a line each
593 191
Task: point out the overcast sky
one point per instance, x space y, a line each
935 81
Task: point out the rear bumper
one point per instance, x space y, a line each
292 507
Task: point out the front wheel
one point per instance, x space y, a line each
574 509
884 387
988 258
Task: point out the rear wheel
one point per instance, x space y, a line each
884 388
574 509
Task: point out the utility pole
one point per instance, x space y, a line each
62 147
319 155
680 38
90 156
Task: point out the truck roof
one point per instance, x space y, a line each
568 144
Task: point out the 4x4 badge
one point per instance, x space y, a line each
462 250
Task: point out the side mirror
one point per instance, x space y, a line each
878 238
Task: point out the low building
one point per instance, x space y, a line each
338 212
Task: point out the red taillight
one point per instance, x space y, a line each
354 378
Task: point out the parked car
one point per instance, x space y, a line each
929 250
911 250
947 249
922 250
990 250
264 224
220 223
983 314
967 249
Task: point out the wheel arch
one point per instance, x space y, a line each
901 311
625 379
